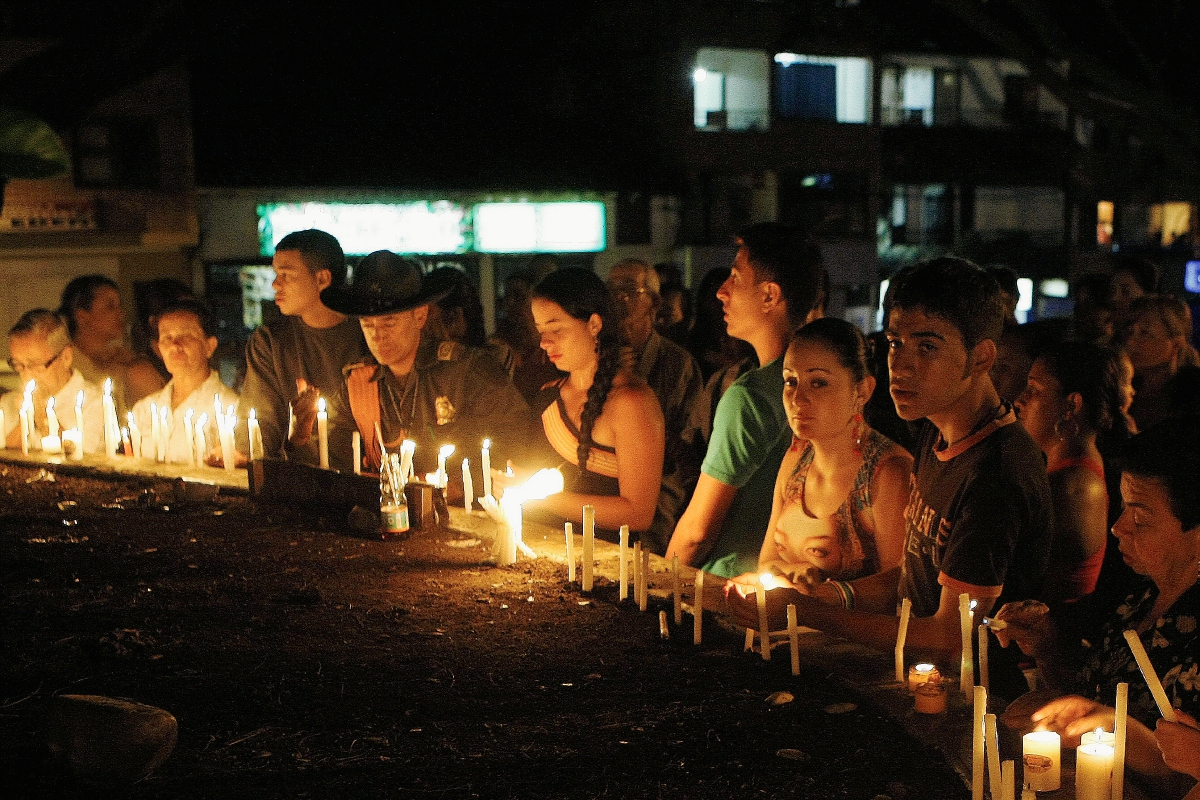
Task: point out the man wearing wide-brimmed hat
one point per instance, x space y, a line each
414 387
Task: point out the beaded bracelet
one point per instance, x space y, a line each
845 593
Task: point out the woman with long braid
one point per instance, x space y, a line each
603 420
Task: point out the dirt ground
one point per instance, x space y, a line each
303 661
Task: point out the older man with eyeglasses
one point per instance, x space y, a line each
40 353
673 375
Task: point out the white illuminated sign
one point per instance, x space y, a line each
568 227
423 228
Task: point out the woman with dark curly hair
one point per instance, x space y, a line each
604 421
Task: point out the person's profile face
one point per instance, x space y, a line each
927 363
741 297
297 290
1042 406
1152 539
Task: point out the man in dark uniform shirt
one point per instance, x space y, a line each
433 393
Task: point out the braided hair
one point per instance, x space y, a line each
581 293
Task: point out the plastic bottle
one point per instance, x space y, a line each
393 507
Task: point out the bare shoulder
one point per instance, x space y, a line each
631 397
894 467
1077 481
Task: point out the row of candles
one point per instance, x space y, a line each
1100 757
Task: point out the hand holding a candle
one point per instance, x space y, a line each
1179 742
742 600
1029 624
304 409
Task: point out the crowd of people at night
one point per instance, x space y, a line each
740 429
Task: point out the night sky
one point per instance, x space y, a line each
424 95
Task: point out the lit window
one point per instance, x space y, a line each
817 87
730 90
1104 222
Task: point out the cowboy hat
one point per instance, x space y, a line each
382 283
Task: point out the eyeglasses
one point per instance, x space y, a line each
20 366
625 294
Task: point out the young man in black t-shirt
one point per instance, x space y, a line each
979 517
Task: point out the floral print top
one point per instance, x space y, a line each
1173 644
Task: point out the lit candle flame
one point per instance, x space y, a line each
108 387
253 414
767 580
487 443
320 405
187 415
446 451
79 399
408 446
544 483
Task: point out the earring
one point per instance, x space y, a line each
860 427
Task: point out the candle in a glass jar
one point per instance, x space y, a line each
922 673
1041 753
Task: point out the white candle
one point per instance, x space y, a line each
793 638
644 575
623 565
966 672
983 656
1093 772
637 573
1118 773
487 467
164 432
78 413
112 433
764 631
977 742
664 632
407 448
1156 687
322 433
512 518
75 437
444 452
468 486
26 428
992 747
355 449
225 428
568 529
51 445
190 436
155 433
255 440
748 647
676 599
1041 755
1099 736
901 635
135 435
589 538
698 607
201 443
1008 780
51 418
